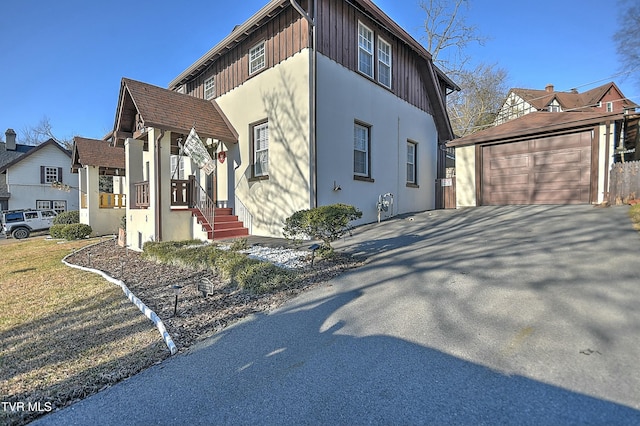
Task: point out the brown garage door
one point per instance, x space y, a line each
553 170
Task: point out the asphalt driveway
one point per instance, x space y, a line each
513 315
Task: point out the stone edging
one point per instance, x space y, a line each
132 297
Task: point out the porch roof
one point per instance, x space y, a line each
94 152
142 106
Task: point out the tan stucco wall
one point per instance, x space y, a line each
102 221
466 176
281 95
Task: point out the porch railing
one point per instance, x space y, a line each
142 195
112 201
180 193
200 200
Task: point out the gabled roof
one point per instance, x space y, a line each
94 152
573 100
144 105
7 156
35 149
540 122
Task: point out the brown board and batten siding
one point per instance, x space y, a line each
338 40
284 34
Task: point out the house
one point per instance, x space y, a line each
605 98
544 158
34 177
307 103
101 175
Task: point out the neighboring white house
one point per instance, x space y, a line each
296 116
39 178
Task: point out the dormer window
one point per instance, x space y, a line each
256 58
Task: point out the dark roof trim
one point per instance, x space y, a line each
34 150
487 136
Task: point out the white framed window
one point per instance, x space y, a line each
599 104
256 58
261 150
177 167
365 50
609 106
361 149
384 63
411 163
210 88
59 206
43 204
50 174
554 108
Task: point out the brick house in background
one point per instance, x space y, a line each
603 99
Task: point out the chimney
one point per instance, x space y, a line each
549 88
10 138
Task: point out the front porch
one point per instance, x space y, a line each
187 194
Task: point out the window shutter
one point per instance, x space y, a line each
41 174
60 174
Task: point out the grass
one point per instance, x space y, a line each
634 214
64 333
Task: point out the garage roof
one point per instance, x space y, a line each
535 123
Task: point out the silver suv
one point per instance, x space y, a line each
20 223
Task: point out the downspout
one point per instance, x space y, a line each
313 82
157 174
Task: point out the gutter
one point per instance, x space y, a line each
313 99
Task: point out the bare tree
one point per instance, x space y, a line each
626 38
42 132
447 36
475 106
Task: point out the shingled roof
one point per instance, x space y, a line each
142 104
93 152
540 122
573 100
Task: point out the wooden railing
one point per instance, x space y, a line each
142 195
112 201
180 193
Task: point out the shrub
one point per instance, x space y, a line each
56 231
325 223
76 231
263 277
67 218
123 222
239 244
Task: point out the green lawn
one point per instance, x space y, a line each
64 333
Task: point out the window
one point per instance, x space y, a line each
609 106
50 174
256 58
58 205
43 204
48 213
411 163
177 167
554 108
261 150
361 149
210 88
384 63
365 50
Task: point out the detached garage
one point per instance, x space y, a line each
539 158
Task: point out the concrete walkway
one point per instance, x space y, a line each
505 315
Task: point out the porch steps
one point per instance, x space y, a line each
225 224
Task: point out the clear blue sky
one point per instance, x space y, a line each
64 59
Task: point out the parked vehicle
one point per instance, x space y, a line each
20 223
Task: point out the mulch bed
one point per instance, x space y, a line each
197 316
